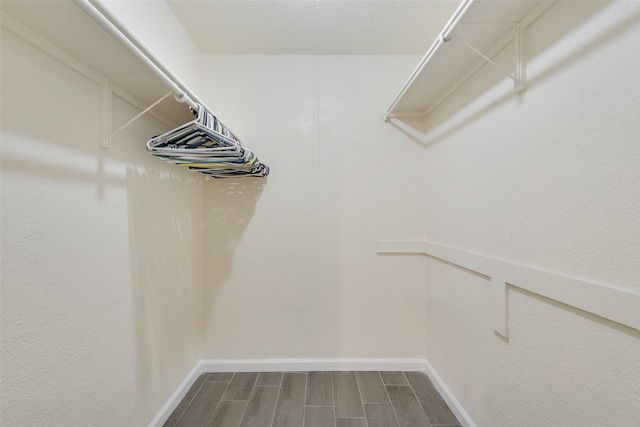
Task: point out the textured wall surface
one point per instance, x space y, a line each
111 289
549 179
314 27
101 255
291 268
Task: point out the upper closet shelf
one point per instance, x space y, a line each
88 38
475 33
65 31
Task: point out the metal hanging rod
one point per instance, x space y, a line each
454 21
409 103
116 28
443 38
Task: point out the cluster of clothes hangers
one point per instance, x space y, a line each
205 145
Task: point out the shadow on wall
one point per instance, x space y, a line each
436 127
166 259
229 204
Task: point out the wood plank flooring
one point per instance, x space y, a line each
313 399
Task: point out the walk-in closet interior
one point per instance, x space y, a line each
390 198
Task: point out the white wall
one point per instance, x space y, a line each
291 268
101 255
549 179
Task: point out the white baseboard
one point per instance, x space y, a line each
177 396
293 365
448 397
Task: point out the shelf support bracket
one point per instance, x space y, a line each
107 119
518 75
107 96
519 83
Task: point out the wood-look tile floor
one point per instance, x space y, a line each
313 399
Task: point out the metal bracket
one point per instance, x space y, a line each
518 76
107 134
519 81
105 138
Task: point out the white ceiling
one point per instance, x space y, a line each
313 26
